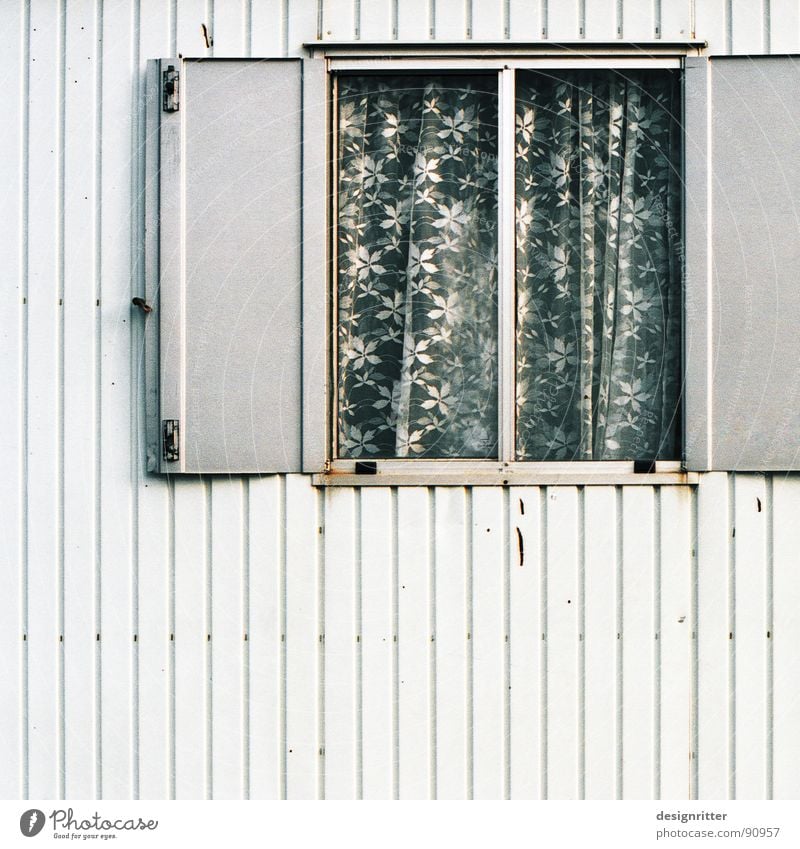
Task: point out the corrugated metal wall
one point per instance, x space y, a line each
259 638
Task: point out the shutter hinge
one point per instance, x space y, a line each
170 440
171 89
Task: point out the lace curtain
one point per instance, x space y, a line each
417 256
598 266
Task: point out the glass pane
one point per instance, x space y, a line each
417 266
598 198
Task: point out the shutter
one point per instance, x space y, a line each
241 263
742 400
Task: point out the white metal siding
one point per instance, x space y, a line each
259 638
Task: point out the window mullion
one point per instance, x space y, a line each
506 300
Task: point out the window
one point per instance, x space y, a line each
566 348
532 204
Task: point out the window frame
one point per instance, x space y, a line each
505 469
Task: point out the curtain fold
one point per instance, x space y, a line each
417 267
598 265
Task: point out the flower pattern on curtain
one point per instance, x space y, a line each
598 265
417 266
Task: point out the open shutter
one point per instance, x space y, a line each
240 304
742 397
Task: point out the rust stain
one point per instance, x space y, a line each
521 547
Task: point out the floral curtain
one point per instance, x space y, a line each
598 265
417 266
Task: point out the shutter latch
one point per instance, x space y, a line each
170 440
142 304
171 89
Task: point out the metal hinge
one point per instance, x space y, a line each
171 89
170 438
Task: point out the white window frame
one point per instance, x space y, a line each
505 470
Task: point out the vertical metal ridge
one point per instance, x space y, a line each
469 548
173 28
319 516
320 19
359 611
657 598
135 695
506 18
395 19
98 417
210 16
356 20
729 26
285 27
432 662
468 18
171 613
282 548
657 18
507 727
432 19
767 13
136 335
543 715
24 496
732 633
581 642
769 506
619 577
694 715
208 567
620 18
395 648
544 17
61 48
247 29
246 568
582 18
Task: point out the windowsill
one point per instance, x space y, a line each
492 473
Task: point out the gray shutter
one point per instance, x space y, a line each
241 303
742 400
